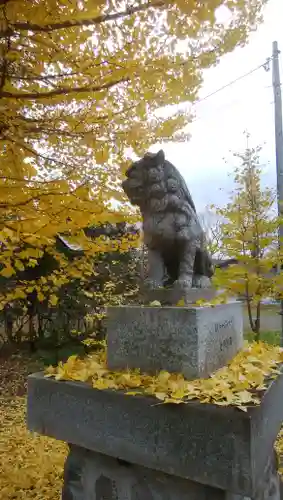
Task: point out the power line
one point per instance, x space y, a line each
263 65
224 107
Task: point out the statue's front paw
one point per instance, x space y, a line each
152 284
201 282
184 283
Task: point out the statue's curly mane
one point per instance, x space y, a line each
171 172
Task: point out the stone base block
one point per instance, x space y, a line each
222 448
194 341
92 476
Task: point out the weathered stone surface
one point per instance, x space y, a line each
171 296
194 341
268 486
224 448
92 476
107 478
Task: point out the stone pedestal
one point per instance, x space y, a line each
191 340
171 296
100 477
129 448
91 476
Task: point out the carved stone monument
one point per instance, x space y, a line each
127 447
172 232
192 340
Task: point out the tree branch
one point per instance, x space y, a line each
42 126
44 77
64 75
61 91
84 22
4 65
36 154
36 197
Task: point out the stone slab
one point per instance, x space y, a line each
91 476
191 340
171 296
220 447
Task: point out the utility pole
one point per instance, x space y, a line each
279 150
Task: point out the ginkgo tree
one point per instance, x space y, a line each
81 83
249 234
211 224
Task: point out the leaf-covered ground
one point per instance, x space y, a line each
31 466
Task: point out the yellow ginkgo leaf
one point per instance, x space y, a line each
181 303
7 272
53 300
155 303
19 265
173 401
161 395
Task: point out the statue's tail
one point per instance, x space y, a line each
203 265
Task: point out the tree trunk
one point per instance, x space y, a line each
250 314
257 322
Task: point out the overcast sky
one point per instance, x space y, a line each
222 119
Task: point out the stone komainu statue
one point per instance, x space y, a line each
172 231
